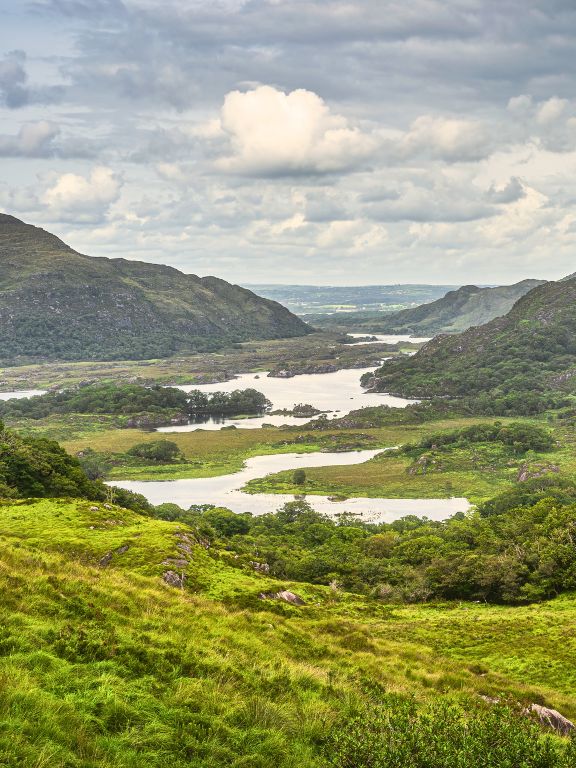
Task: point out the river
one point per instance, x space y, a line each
225 490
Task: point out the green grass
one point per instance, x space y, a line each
108 666
212 453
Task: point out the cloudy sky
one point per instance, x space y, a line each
303 141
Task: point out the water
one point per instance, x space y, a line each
339 392
225 491
19 395
385 339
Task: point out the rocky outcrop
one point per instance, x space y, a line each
285 595
107 558
174 579
551 718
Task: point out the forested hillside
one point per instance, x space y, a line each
57 304
527 355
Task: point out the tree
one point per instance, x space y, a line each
158 450
299 477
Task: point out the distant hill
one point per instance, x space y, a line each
530 350
455 312
338 301
57 304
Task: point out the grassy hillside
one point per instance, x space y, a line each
522 356
57 304
103 663
455 312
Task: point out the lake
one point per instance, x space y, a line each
226 490
20 394
385 339
339 392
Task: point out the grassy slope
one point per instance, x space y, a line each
109 667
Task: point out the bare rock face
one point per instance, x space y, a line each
553 719
174 579
285 595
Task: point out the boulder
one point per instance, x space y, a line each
174 579
552 719
285 595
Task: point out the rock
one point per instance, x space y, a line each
552 719
174 579
94 509
105 560
260 567
535 471
290 597
285 595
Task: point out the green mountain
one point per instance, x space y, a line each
56 303
455 312
529 351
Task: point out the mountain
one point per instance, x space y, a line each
530 350
455 312
56 303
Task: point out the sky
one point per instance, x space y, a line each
333 142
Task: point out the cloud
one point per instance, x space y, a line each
14 89
32 140
550 111
438 200
13 79
79 198
449 139
272 133
511 192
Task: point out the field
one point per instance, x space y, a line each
107 665
472 473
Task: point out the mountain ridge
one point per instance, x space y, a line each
454 312
58 304
527 353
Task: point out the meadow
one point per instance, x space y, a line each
102 663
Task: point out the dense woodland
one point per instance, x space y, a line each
130 399
40 468
517 548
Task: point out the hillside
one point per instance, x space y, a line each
127 642
454 312
523 355
57 304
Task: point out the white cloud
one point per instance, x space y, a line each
276 133
449 139
550 111
354 236
82 198
520 104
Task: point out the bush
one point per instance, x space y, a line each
164 451
398 734
299 477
